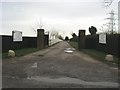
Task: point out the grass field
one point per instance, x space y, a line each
74 44
20 52
95 54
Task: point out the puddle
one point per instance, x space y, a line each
115 68
54 48
69 80
69 50
73 49
34 65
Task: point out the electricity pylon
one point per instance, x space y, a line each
111 23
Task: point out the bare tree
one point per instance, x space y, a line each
38 25
54 34
107 3
60 37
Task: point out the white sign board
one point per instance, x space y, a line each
17 36
102 38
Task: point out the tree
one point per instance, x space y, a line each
60 37
54 34
107 3
92 30
66 38
74 35
38 25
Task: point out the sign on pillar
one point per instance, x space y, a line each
17 36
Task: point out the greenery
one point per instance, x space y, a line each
99 55
74 44
60 37
74 35
20 52
66 38
74 38
95 53
92 30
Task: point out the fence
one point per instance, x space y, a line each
53 41
28 42
112 45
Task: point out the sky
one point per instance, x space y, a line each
63 16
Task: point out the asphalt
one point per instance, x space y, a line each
54 67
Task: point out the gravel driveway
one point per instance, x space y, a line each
53 67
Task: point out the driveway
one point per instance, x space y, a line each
53 67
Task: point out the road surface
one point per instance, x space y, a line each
53 67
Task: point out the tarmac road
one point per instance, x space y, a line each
53 67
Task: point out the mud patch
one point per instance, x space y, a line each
41 55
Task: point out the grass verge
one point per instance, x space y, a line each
20 52
95 54
74 44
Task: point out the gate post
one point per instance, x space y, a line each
81 39
40 38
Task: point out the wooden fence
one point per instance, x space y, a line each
28 42
112 45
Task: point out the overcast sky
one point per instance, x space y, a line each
64 16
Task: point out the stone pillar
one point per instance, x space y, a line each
81 39
40 38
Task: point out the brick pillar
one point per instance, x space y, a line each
81 39
40 38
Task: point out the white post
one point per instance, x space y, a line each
119 17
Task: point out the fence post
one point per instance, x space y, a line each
81 39
40 38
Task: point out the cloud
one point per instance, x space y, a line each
65 16
48 0
18 11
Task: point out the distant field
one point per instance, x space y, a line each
74 44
